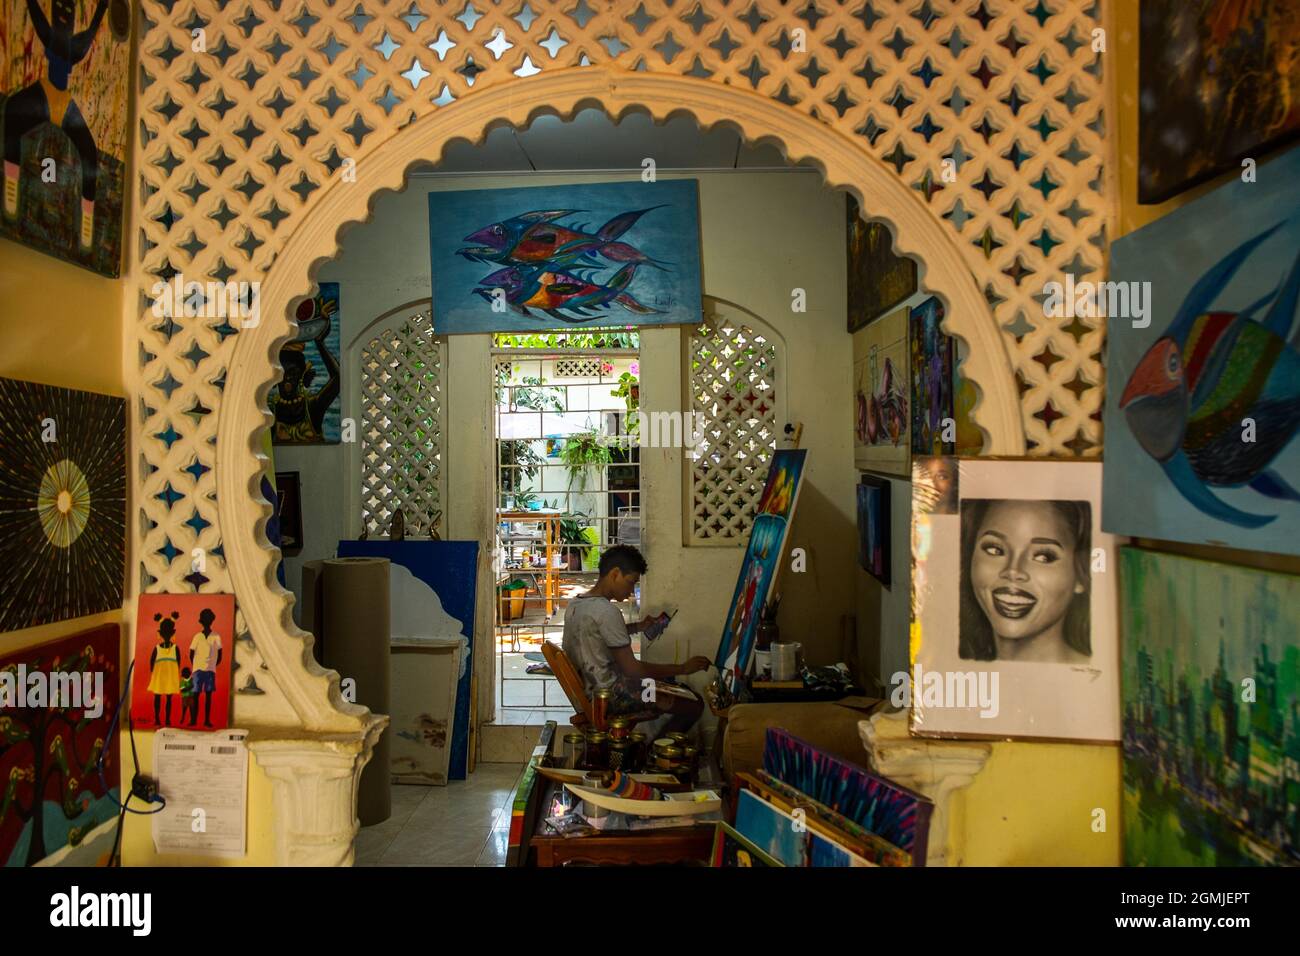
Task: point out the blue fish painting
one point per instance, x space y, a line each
1203 406
555 257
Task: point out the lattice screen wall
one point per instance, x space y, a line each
246 110
401 427
732 377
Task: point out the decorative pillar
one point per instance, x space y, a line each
933 767
314 781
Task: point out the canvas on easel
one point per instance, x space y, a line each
762 564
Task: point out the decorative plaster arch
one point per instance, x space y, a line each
314 692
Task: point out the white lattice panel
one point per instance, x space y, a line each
732 381
578 368
246 110
401 428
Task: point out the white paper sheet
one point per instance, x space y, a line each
204 778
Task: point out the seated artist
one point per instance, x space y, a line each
598 643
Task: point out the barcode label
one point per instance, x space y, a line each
178 746
225 750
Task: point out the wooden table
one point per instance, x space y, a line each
550 520
532 844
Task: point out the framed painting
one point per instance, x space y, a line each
64 80
555 257
62 503
761 565
184 652
882 425
1211 696
59 700
1218 84
1013 605
306 403
1203 406
873 527
730 849
878 279
934 417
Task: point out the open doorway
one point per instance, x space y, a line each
568 486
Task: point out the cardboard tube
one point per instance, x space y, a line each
355 614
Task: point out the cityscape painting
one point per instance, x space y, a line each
1211 726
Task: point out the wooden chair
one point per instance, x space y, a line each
571 683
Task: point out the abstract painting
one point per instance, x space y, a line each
881 364
1218 84
1014 621
62 503
873 527
934 419
882 807
1203 406
58 700
64 76
773 831
184 652
449 572
730 849
306 401
1211 713
555 257
761 565
878 279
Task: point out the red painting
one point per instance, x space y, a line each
183 654
57 703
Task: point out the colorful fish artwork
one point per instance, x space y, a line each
1202 420
591 254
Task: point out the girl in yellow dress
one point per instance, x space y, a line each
165 667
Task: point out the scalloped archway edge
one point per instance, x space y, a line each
314 692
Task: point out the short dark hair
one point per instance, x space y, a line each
624 557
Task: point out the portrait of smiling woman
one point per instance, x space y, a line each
1025 581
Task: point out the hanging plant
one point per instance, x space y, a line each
582 452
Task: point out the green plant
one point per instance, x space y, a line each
581 452
629 389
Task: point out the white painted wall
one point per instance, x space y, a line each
764 234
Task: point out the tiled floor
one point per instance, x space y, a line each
466 823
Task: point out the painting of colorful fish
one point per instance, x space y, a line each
555 257
1203 403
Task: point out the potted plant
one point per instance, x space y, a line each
582 452
571 537
591 555
629 389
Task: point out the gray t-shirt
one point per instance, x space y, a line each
592 626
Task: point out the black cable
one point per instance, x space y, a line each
141 786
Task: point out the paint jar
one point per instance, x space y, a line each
597 750
636 754
679 738
619 728
600 707
574 746
618 750
593 781
669 759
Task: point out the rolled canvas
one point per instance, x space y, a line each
355 615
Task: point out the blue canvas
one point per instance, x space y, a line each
557 257
305 403
1203 405
451 569
771 830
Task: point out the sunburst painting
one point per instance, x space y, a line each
62 503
